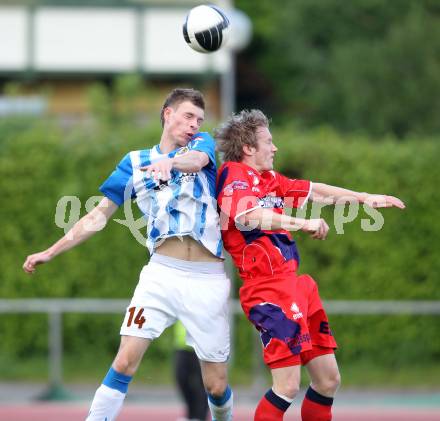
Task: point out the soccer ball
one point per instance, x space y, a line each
206 28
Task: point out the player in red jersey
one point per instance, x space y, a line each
284 307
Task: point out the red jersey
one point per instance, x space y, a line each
256 252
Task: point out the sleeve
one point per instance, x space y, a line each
119 185
203 142
234 192
296 192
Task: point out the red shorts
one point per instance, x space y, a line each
288 313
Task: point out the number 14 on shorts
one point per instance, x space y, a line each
136 313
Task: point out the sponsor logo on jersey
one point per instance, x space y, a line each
235 185
295 344
185 177
325 328
295 310
271 202
195 141
301 338
182 151
294 307
161 184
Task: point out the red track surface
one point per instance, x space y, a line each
69 412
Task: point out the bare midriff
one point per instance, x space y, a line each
186 248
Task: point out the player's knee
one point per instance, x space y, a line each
328 385
289 389
122 364
216 387
334 381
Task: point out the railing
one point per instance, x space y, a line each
56 307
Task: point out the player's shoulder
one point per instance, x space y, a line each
276 175
231 170
273 175
131 155
237 167
201 137
233 174
270 174
141 157
139 152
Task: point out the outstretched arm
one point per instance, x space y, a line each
192 161
266 219
324 193
87 226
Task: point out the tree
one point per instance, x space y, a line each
369 65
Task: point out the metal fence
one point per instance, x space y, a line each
56 307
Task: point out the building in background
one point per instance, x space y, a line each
52 52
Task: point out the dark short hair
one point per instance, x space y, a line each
239 130
179 95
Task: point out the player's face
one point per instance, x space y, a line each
182 121
265 152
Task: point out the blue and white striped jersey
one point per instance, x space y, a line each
184 205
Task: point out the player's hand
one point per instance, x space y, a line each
160 170
382 201
318 228
33 260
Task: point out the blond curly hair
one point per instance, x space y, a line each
239 130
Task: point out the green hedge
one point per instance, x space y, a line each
399 261
41 162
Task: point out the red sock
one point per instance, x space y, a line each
316 407
271 407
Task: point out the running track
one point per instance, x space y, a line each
131 412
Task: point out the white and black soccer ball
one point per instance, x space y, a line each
206 28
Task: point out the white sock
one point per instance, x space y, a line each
224 412
106 404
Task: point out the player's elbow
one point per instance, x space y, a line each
94 222
199 161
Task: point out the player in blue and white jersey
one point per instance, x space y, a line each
180 203
173 184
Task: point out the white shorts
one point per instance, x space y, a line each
196 293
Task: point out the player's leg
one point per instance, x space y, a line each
277 400
278 313
190 383
205 317
220 396
320 360
110 396
211 350
147 316
325 380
